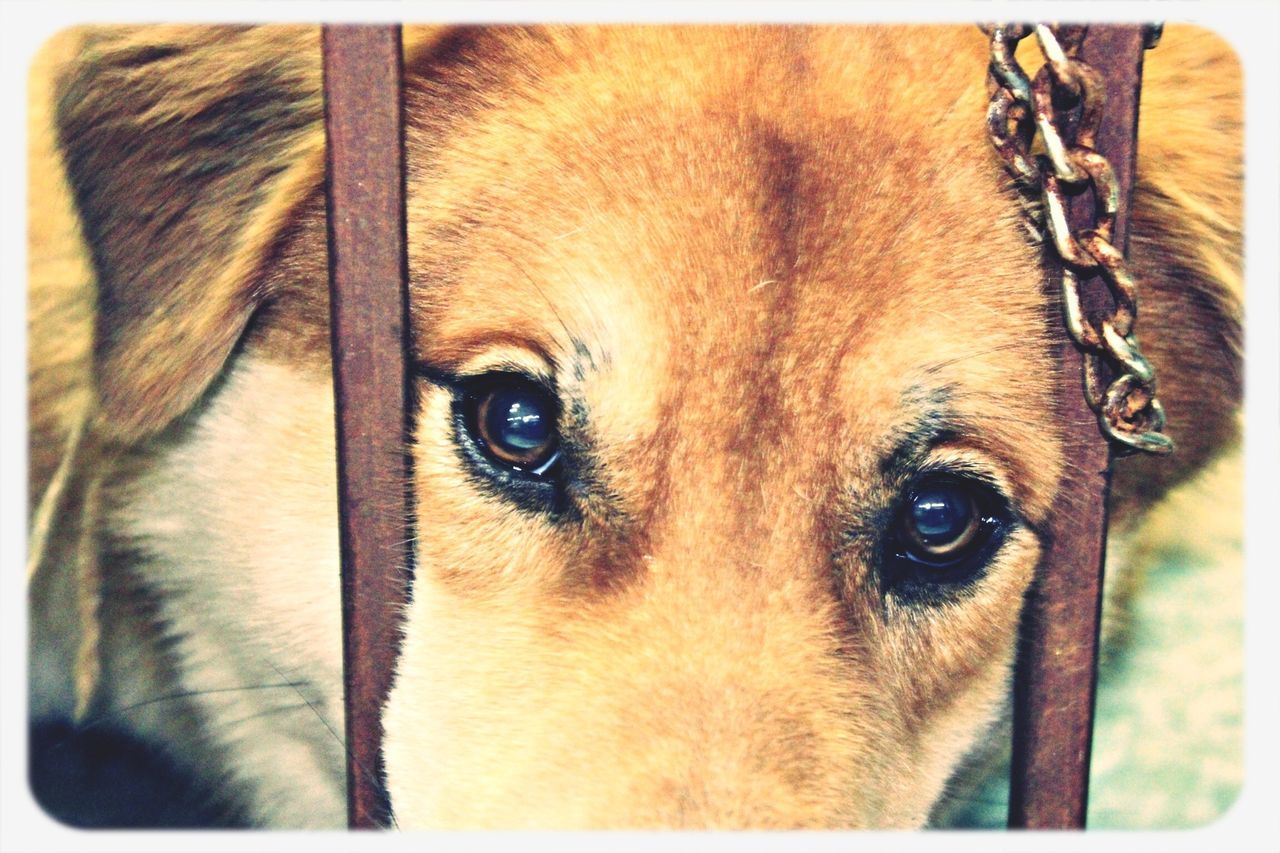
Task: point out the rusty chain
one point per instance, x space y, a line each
1119 383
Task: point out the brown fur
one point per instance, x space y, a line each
758 261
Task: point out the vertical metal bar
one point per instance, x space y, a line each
1057 662
365 195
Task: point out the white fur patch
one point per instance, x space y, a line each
240 519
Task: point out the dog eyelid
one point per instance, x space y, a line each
459 380
435 375
965 461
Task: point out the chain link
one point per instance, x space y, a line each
1119 383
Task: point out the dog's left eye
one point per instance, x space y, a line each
513 420
941 521
946 530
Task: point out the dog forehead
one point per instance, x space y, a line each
703 163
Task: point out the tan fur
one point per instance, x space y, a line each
754 258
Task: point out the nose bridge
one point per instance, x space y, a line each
740 578
752 511
734 537
739 682
747 707
739 478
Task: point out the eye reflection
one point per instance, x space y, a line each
515 420
947 527
942 517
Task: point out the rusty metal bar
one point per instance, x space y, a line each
1057 661
367 281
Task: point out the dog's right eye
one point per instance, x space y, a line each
947 529
513 421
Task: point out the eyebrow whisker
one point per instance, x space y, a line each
937 366
541 293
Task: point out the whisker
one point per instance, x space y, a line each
524 272
369 775
280 709
584 297
105 716
936 366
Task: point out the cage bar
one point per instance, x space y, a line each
1058 655
368 309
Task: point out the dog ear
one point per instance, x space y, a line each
1185 250
187 148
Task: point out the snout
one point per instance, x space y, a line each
718 755
681 704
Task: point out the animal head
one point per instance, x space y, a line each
734 450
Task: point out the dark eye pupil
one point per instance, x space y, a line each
518 421
514 421
945 532
940 515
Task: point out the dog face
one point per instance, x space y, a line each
734 447
749 343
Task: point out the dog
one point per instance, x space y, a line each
734 445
